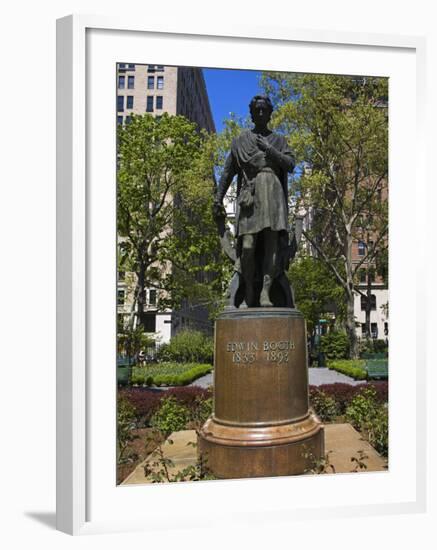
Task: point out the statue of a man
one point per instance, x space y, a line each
261 160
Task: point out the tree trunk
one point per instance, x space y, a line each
368 305
350 315
141 302
350 326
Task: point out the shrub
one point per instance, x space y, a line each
201 411
362 408
125 425
368 416
344 393
170 417
188 346
350 367
371 347
324 405
144 400
335 345
189 395
377 430
169 374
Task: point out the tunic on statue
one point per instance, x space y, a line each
262 188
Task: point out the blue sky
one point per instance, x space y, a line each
230 91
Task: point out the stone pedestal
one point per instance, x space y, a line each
261 424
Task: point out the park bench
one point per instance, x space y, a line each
376 368
124 369
371 355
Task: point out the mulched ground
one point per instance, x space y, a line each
137 451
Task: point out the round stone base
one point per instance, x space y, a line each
230 452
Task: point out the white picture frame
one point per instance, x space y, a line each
84 460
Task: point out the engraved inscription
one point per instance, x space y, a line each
273 351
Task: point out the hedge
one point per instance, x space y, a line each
350 367
169 374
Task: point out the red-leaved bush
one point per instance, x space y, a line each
344 393
147 401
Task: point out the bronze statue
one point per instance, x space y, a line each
261 160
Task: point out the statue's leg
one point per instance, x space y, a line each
248 267
269 265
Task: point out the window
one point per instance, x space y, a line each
130 102
151 68
119 119
121 275
131 82
131 65
150 82
121 81
152 297
374 330
361 248
160 67
149 322
120 103
149 107
128 119
160 82
120 297
122 66
363 329
386 328
159 102
372 302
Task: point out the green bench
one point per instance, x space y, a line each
376 368
124 370
369 355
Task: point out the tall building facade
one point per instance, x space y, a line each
158 89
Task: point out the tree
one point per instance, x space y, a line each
316 290
338 130
164 195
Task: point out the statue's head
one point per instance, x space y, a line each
261 109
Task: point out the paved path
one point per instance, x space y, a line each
317 377
341 442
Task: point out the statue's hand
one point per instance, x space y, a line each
262 143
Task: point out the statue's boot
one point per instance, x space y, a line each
264 298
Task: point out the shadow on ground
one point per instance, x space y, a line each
46 518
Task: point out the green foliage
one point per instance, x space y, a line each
325 406
169 374
159 469
335 345
377 430
350 367
171 416
316 290
368 416
373 349
337 127
201 411
131 341
126 416
188 346
318 465
164 211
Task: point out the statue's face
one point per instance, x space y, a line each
260 113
